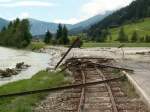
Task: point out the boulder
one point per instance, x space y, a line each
10 72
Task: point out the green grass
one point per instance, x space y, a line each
27 103
129 89
142 28
126 86
36 46
92 44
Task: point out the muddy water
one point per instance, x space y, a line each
9 58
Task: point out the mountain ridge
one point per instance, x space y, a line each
3 23
83 25
39 27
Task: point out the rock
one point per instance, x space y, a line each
10 72
19 65
4 73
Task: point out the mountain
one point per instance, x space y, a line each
138 9
89 22
3 23
40 27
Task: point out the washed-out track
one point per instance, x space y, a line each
106 97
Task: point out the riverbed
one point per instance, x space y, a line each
38 61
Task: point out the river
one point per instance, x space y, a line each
38 61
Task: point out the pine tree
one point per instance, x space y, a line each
104 35
48 37
122 37
147 38
26 36
59 34
134 37
142 39
65 39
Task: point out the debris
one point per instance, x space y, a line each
143 53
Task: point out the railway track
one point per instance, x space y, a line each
106 97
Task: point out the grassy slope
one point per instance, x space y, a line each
142 28
26 103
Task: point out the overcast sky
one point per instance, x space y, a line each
60 11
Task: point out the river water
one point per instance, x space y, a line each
38 61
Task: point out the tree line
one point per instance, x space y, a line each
60 38
16 34
122 36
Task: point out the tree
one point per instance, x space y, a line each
64 36
25 35
17 34
48 37
59 33
104 35
122 37
134 37
147 38
142 39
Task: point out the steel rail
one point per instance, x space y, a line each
60 88
82 98
109 66
114 106
90 58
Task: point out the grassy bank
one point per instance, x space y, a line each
26 103
91 44
36 46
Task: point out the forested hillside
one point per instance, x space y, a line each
131 14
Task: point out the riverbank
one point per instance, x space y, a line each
41 80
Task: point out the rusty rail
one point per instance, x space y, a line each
109 66
90 58
60 88
114 106
82 98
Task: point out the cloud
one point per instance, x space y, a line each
24 15
5 1
101 6
68 21
27 3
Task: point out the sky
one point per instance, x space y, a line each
59 11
